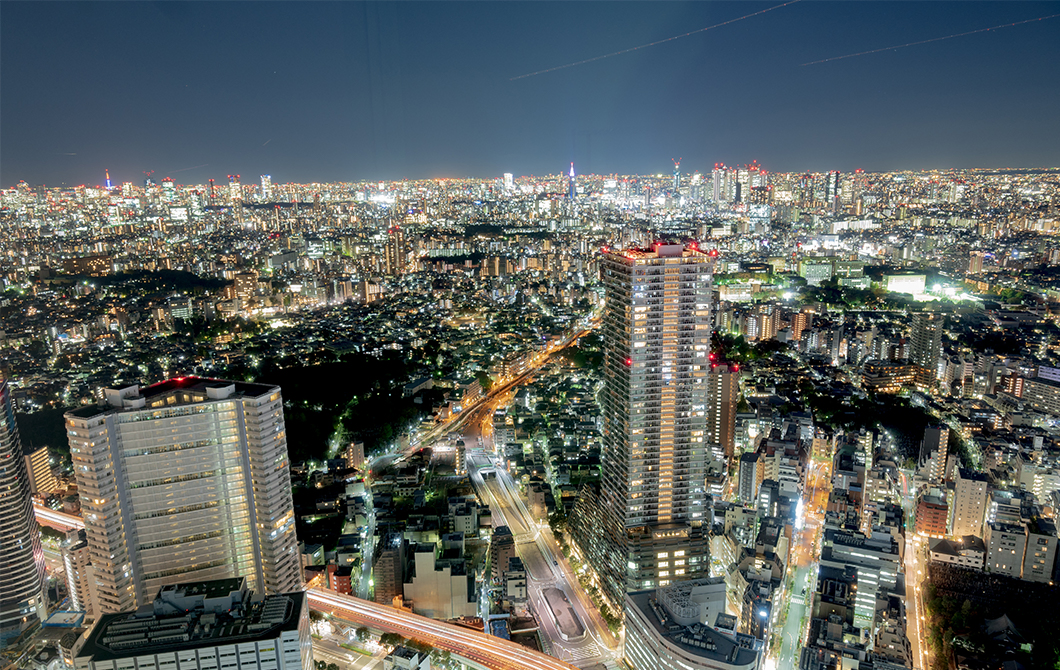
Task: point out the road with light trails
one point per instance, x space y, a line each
60 521
543 572
915 567
486 650
803 559
464 419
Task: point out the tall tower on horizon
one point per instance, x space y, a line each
657 328
22 603
572 193
186 480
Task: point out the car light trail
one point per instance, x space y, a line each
57 520
488 650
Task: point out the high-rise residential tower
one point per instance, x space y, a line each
926 344
968 507
395 252
657 330
934 451
723 395
185 480
22 604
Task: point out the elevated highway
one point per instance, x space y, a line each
478 648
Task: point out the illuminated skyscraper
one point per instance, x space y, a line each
22 604
235 190
169 191
266 186
657 329
926 340
395 252
186 480
509 182
832 191
723 395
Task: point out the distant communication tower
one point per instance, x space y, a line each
107 173
677 173
572 193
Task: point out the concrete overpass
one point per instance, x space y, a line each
477 649
60 521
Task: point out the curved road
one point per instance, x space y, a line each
488 651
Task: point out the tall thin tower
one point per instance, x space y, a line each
22 604
657 327
572 191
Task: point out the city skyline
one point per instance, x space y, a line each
389 91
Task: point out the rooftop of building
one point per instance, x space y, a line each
698 639
182 390
152 630
216 588
659 250
955 547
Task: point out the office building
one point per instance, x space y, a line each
685 626
876 559
1040 556
404 658
657 329
723 396
210 625
968 508
185 479
22 604
440 586
1005 546
235 190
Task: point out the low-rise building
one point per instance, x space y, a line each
677 628
1006 545
215 624
403 658
967 552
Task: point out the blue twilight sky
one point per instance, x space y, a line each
323 91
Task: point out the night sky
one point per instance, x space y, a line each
315 91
